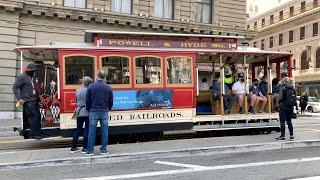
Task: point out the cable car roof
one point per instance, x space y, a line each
50 52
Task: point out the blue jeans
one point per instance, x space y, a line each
79 130
94 117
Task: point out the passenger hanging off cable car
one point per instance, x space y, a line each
230 72
228 99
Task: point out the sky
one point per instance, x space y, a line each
265 5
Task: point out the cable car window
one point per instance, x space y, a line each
76 67
148 70
179 70
117 69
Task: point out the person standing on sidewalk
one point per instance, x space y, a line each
99 101
287 100
25 92
82 116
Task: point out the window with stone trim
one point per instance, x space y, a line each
303 6
75 3
304 61
164 9
291 36
263 22
318 58
302 33
271 19
121 6
280 39
280 15
203 13
262 44
291 11
315 29
271 42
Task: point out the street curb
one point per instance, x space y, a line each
165 154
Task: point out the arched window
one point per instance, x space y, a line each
148 71
117 69
304 61
318 58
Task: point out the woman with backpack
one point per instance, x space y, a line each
287 100
303 102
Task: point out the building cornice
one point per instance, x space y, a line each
89 15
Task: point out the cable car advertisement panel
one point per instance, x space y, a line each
142 99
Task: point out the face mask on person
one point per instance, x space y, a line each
256 84
242 80
228 76
30 73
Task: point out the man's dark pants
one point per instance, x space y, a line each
286 116
32 112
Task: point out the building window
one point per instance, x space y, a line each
148 70
303 6
255 44
255 25
318 58
75 3
291 36
315 30
262 44
203 14
263 22
248 26
121 6
281 15
163 9
271 19
117 69
76 67
304 61
291 11
280 39
302 33
179 70
315 3
271 42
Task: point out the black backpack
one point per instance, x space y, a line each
291 97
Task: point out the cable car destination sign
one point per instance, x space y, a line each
173 42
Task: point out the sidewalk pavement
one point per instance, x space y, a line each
157 149
7 125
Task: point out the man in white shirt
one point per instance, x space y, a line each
204 85
239 89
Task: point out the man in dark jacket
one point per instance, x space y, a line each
25 92
99 101
286 111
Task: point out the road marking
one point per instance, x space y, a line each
180 164
308 178
7 153
195 168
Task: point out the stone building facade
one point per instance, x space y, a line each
293 27
41 22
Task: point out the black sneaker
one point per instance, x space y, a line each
83 151
89 154
291 138
74 150
280 138
104 152
240 110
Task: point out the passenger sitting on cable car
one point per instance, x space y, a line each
204 85
256 96
239 90
228 99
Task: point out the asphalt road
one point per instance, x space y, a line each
280 164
